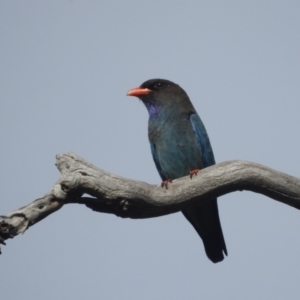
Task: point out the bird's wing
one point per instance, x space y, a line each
203 140
156 161
205 217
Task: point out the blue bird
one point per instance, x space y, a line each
180 146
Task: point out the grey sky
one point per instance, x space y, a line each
65 69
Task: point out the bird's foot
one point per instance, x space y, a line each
194 172
165 183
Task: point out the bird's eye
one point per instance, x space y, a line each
158 84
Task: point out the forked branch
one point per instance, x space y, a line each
109 193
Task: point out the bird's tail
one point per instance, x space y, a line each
205 219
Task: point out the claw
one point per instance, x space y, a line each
165 183
194 172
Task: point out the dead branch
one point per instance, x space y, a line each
135 199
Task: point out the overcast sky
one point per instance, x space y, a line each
65 68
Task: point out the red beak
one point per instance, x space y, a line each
138 92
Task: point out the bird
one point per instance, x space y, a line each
180 146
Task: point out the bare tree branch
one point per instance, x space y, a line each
135 199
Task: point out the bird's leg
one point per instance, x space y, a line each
194 172
165 183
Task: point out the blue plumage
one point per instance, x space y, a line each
179 144
202 137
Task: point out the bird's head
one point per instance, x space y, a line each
159 94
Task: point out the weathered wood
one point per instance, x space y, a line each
135 199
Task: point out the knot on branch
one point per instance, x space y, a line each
5 232
8 227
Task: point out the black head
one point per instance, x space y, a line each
154 88
158 84
161 95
